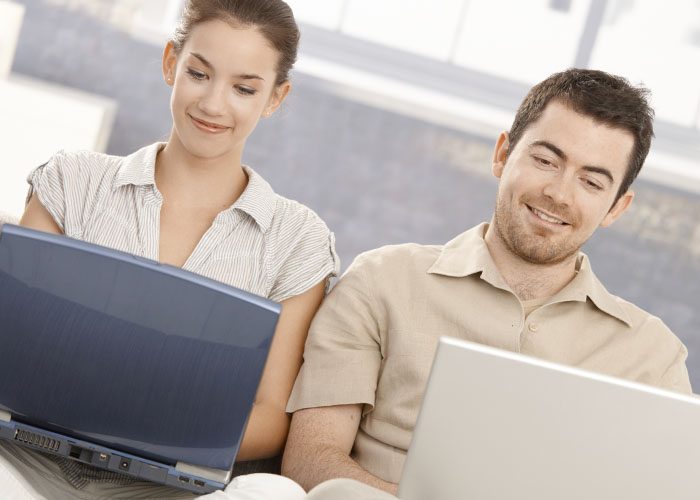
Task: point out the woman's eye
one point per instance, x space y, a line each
196 75
245 90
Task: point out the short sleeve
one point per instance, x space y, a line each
47 181
342 356
310 257
676 376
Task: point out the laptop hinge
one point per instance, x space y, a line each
222 476
5 416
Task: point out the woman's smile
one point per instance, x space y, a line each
212 128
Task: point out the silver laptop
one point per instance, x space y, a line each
125 364
497 425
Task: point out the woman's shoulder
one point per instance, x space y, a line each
304 249
83 160
78 168
86 170
285 215
293 217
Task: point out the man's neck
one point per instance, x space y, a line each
527 280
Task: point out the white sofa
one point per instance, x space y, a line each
5 217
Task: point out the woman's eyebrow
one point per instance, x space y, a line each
244 76
202 59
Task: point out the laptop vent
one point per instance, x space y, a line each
34 439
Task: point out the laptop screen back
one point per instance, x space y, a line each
500 425
125 352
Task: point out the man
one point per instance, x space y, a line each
519 283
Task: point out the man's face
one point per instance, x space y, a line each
558 184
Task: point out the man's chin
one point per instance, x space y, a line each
545 255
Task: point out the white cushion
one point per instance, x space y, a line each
5 217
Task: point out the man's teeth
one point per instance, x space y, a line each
546 217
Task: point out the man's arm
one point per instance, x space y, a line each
319 445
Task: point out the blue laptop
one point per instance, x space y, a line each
125 364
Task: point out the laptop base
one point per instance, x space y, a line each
105 458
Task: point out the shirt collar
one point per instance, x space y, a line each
586 285
467 255
139 167
258 200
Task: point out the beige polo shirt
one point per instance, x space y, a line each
374 338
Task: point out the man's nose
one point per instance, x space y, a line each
560 188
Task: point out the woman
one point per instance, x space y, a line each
191 203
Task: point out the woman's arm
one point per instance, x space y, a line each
37 217
269 423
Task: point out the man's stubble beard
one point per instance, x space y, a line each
528 246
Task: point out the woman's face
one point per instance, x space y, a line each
223 81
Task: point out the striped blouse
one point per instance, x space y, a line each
264 243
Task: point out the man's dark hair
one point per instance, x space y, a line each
606 98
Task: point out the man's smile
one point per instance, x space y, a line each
546 217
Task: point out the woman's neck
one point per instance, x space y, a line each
189 180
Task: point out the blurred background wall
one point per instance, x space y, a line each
396 106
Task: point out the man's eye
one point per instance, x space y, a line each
543 161
593 184
196 75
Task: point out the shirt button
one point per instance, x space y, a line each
532 327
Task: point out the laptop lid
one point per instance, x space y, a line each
127 353
499 425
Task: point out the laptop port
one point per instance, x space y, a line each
199 483
184 479
124 463
75 451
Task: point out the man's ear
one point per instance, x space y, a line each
169 63
500 154
619 208
279 94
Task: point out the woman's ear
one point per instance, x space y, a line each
169 63
279 94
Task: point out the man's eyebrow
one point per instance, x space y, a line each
589 168
209 66
600 170
554 149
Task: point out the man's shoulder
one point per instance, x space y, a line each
644 322
406 258
664 354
